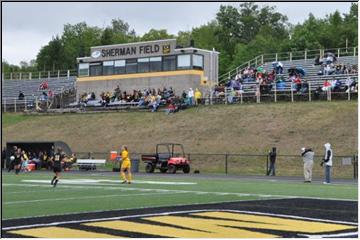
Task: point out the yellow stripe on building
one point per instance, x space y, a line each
141 75
274 223
60 232
201 229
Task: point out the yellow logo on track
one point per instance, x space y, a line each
207 224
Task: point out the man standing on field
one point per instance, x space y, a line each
308 158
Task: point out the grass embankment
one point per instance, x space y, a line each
245 128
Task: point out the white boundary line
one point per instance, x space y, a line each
169 213
184 191
87 197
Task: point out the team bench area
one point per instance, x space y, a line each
89 164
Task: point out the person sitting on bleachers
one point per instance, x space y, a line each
44 85
336 85
326 86
21 96
278 67
297 83
304 87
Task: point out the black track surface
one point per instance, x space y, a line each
312 208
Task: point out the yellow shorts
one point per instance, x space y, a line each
126 164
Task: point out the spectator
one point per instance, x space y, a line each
171 108
304 87
308 159
21 96
191 96
231 96
328 162
17 161
297 83
12 158
326 86
197 96
272 157
68 162
44 85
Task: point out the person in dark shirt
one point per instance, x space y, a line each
21 95
17 161
58 158
272 157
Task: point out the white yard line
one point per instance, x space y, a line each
83 198
165 214
103 186
336 235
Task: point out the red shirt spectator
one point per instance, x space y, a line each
44 85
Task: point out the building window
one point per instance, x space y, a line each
155 64
83 69
184 61
95 69
143 65
108 67
169 63
119 67
131 65
198 61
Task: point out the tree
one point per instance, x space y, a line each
154 34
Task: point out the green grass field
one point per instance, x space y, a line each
30 194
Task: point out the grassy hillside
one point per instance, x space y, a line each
215 129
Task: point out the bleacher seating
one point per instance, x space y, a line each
11 88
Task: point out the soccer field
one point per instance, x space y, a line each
101 195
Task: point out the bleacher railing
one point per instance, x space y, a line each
287 56
39 75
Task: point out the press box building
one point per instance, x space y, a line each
143 65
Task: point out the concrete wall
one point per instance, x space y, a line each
178 83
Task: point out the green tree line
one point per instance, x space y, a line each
238 33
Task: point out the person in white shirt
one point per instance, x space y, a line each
328 162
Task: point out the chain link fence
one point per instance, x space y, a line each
245 164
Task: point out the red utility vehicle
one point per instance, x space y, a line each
169 157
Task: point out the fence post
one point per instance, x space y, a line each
262 59
267 164
11 75
241 97
58 74
275 95
305 54
355 167
15 104
226 163
290 56
25 104
276 57
354 51
68 74
309 91
349 93
48 74
292 92
39 75
30 75
256 61
20 75
329 95
338 53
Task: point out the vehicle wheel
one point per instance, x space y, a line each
149 168
172 169
163 170
186 169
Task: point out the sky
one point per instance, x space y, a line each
26 27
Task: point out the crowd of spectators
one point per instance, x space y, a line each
39 159
147 98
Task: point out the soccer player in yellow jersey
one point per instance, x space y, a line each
125 165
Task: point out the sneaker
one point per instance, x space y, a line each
129 182
123 182
307 181
326 183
